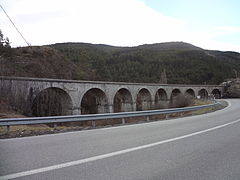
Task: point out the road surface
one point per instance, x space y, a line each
199 147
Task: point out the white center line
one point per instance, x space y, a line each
103 156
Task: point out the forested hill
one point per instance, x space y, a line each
173 62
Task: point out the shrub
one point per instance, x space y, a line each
181 101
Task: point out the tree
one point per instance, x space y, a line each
163 77
236 73
4 42
5 47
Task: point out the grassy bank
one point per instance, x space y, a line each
32 130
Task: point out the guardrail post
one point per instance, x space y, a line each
167 116
54 125
214 107
7 129
191 113
93 123
123 121
148 118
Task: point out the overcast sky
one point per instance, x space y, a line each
210 24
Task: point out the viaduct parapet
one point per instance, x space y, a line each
46 97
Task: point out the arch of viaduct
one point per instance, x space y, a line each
44 97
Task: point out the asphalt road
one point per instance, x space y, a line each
190 148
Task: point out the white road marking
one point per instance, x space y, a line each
94 158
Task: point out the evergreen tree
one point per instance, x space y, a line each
163 77
4 42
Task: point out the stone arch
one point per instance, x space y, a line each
94 101
52 101
174 93
173 98
190 93
143 101
216 93
122 101
203 94
161 99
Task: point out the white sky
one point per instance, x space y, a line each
112 22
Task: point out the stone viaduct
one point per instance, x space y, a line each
46 97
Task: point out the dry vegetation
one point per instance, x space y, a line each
30 130
174 63
6 111
182 101
38 62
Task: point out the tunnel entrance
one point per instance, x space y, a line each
161 100
143 100
122 101
52 102
203 94
216 93
190 93
94 101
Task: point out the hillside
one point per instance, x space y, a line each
42 62
178 61
173 62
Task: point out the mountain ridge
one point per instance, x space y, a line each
170 62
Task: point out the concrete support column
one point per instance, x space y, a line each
134 106
76 103
168 102
152 105
110 108
76 111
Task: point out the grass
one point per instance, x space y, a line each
30 130
27 130
199 102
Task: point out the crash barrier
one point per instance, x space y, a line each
93 117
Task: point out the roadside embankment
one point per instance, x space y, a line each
40 129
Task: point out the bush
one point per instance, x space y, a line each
181 101
5 48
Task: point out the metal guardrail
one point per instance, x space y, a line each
92 117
